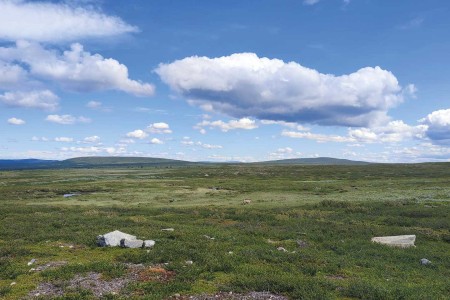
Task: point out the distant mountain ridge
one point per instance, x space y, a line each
111 161
315 161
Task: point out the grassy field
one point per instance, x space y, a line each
322 216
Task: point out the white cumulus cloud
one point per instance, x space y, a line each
56 22
10 75
67 119
75 69
393 132
161 128
438 125
243 123
156 141
244 84
16 121
92 139
137 134
44 99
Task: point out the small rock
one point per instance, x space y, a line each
302 244
189 262
425 262
70 195
32 270
13 283
230 252
131 243
167 229
149 243
208 237
176 295
31 262
281 249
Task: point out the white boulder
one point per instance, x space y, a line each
149 243
402 241
113 238
131 243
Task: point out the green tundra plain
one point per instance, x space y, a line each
306 233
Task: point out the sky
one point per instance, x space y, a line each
231 80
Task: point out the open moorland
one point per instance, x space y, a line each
306 233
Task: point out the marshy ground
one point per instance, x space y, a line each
322 216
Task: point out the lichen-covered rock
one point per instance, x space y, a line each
112 239
402 241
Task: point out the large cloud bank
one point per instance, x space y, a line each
244 84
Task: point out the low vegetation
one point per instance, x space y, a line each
305 234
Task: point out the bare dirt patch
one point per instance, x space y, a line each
96 284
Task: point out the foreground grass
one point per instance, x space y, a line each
323 217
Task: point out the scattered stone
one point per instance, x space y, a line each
49 265
235 296
208 237
112 239
149 244
71 195
189 262
302 244
31 262
126 243
246 201
402 241
425 262
167 229
281 249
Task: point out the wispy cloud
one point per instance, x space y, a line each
56 22
43 99
67 119
412 24
310 2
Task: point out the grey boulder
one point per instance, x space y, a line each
425 262
402 241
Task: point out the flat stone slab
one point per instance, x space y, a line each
402 241
113 238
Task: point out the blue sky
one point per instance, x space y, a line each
225 80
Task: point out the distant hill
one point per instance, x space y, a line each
88 162
314 161
11 164
107 161
97 161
